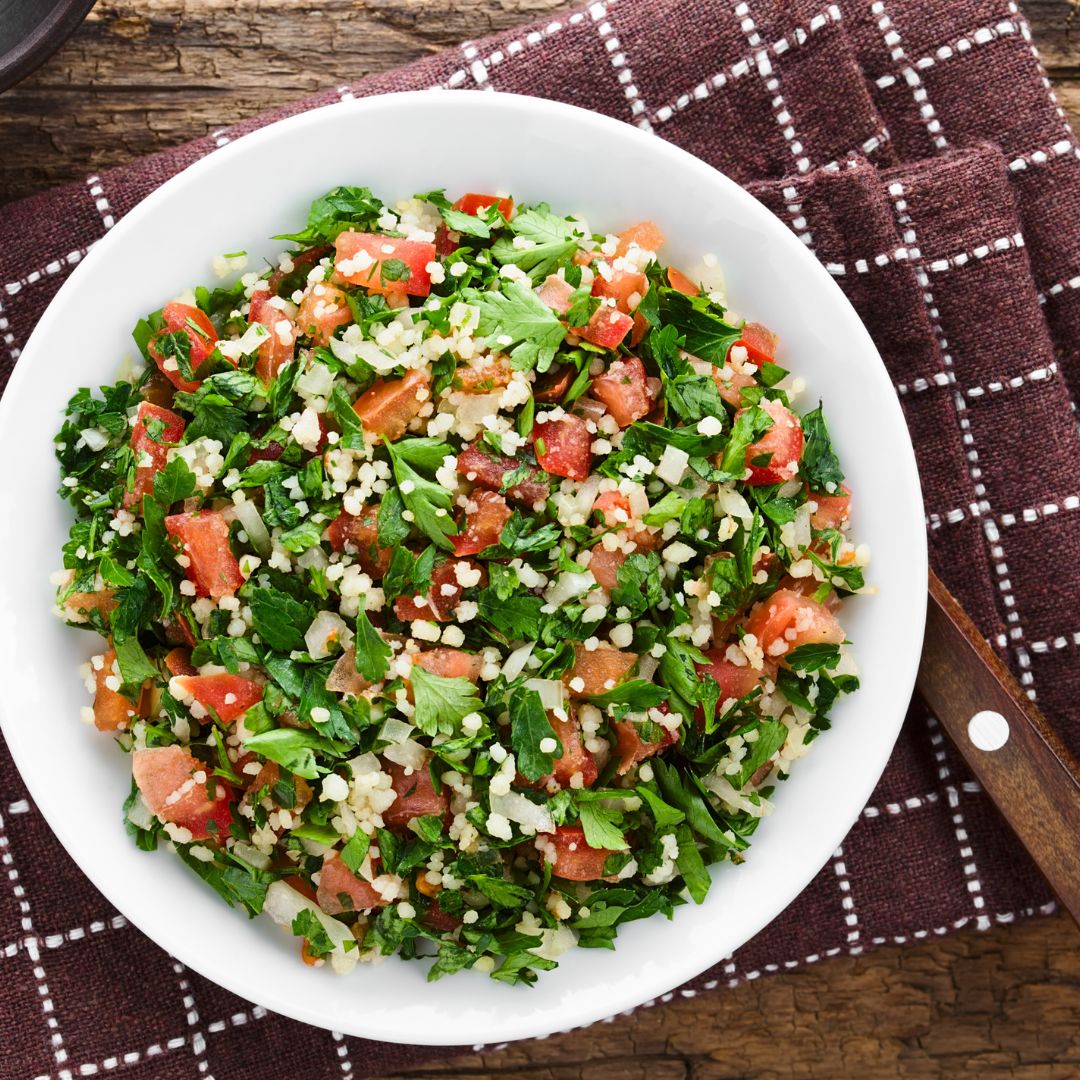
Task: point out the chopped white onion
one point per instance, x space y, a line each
516 807
139 813
569 586
408 754
326 628
248 515
317 381
394 730
647 666
251 855
515 662
552 692
283 903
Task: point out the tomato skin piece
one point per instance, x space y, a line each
810 623
388 405
555 292
632 749
553 384
450 663
158 452
178 662
832 510
731 388
415 254
621 287
416 796
607 327
624 389
472 203
646 234
759 342
162 771
574 859
439 606
279 348
361 535
323 309
204 536
336 879
784 440
112 711
490 470
483 380
734 682
445 244
597 668
567 447
213 692
176 318
440 920
485 515
681 283
575 758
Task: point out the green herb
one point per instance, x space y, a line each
441 703
516 313
306 924
529 727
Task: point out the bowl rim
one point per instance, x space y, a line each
28 54
678 969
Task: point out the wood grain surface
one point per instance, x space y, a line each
141 75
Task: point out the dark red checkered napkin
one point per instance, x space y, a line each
918 150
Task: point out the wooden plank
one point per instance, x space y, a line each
142 75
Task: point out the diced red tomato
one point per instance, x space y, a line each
482 380
200 332
614 507
485 467
646 234
151 454
793 619
112 711
731 388
607 327
575 760
832 510
563 447
364 256
555 293
178 662
604 565
574 859
734 682
301 261
553 384
783 441
638 330
337 881
270 452
204 536
596 669
177 630
450 663
759 342
416 796
681 283
79 603
389 404
485 515
445 244
163 771
625 287
440 920
624 390
323 309
158 390
277 349
360 534
632 749
442 597
472 203
229 696
266 779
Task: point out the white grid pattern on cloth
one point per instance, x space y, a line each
1028 516
847 901
781 112
907 252
341 1047
619 62
733 976
993 386
52 1022
910 74
196 1037
704 89
997 555
967 854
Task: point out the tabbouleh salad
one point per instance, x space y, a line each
468 580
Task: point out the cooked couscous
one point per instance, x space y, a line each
468 579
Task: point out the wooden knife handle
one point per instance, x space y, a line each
1030 776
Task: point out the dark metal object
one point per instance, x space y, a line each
32 30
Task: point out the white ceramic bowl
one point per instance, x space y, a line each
397 145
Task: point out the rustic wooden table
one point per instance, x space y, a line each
141 75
